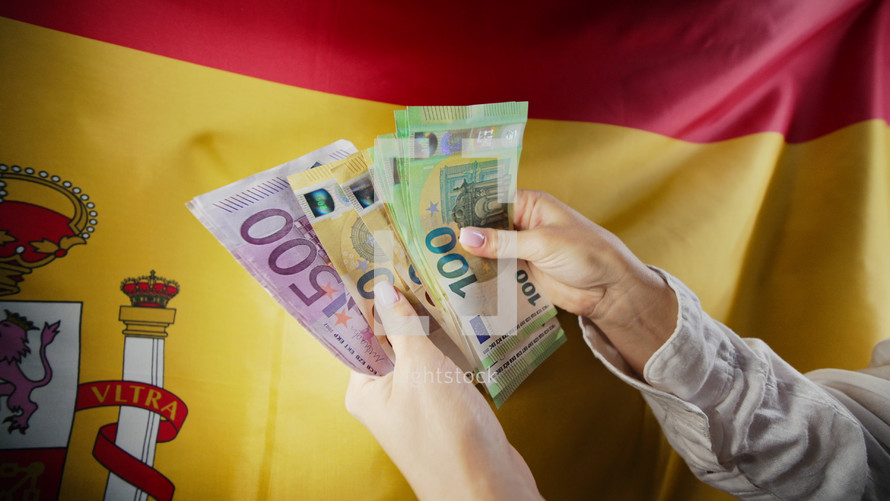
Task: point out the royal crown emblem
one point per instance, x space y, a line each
41 218
150 291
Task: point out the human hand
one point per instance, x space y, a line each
431 420
586 270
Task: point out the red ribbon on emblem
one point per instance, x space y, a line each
143 396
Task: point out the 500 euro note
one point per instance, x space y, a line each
259 221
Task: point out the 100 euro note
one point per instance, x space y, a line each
508 371
259 221
459 169
392 153
383 164
384 161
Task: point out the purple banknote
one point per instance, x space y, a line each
260 222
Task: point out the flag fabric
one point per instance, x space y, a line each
742 146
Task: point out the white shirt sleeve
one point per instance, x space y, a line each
747 422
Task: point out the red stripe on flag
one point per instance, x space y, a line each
699 71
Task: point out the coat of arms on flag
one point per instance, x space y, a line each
41 217
39 394
39 359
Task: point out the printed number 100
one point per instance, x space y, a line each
451 264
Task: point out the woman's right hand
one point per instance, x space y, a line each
586 270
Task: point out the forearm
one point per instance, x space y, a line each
475 472
638 315
742 418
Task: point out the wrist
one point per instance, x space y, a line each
505 476
480 472
638 315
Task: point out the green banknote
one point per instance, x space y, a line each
507 372
510 370
457 168
386 159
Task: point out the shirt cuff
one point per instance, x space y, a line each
685 424
688 365
656 367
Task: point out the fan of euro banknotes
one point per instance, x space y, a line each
318 232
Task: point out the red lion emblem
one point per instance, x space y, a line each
17 386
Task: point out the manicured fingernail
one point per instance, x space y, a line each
385 293
471 238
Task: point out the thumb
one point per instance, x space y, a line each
403 328
501 244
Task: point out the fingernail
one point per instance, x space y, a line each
471 238
385 293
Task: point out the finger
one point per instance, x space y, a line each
403 328
524 207
537 208
502 244
357 393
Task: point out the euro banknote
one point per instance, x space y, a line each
320 231
343 235
507 372
458 167
355 179
259 221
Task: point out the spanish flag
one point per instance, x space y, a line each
741 145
